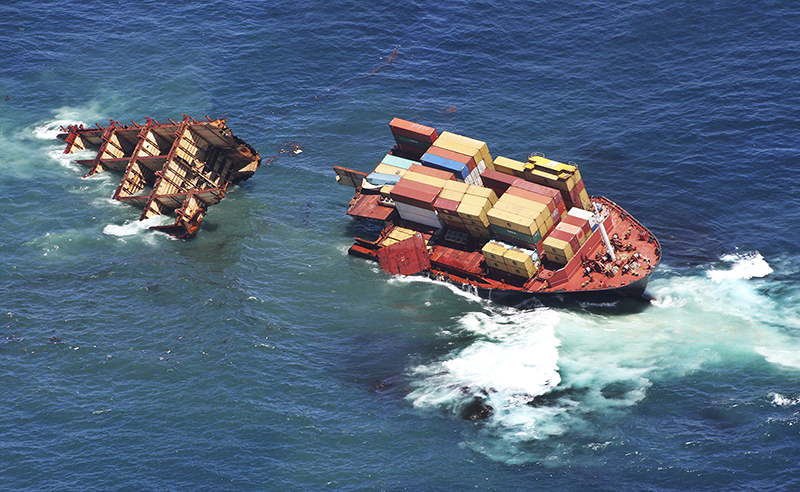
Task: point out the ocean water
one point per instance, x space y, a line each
260 356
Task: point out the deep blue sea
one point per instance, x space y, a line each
259 356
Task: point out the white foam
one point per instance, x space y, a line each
742 266
781 401
135 227
64 117
513 360
552 372
466 294
51 129
782 357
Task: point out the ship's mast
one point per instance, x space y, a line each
597 208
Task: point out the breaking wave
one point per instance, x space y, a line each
135 227
742 266
543 377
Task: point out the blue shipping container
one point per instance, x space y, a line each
395 161
379 179
459 169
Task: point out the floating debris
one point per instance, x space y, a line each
177 169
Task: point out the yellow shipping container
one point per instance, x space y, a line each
538 212
499 265
387 169
455 196
424 178
481 147
513 208
499 217
585 201
386 190
536 208
456 186
480 231
473 215
461 148
550 166
482 192
547 179
525 225
556 258
477 201
519 263
548 222
493 250
400 233
557 247
543 230
509 220
509 166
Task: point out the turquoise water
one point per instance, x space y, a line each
260 356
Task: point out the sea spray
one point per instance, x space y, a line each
553 376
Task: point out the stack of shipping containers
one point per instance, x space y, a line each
564 177
520 208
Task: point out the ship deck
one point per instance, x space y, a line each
637 254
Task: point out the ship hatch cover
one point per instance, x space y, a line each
407 257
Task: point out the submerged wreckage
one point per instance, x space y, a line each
171 168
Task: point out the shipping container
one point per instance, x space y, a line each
535 197
377 180
416 194
573 241
497 181
389 169
573 230
459 169
417 214
412 130
482 192
393 160
494 250
584 214
467 159
472 143
583 223
557 250
447 209
509 167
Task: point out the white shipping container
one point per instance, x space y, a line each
419 215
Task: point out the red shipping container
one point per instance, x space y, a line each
536 197
429 171
443 205
413 130
584 224
458 226
416 194
497 181
540 189
410 152
565 236
576 231
453 156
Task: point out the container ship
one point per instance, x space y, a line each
508 230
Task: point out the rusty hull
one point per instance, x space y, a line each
172 168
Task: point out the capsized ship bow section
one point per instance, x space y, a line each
172 168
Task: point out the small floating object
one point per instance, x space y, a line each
172 168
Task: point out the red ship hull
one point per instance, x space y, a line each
587 277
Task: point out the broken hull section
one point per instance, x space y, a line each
179 169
